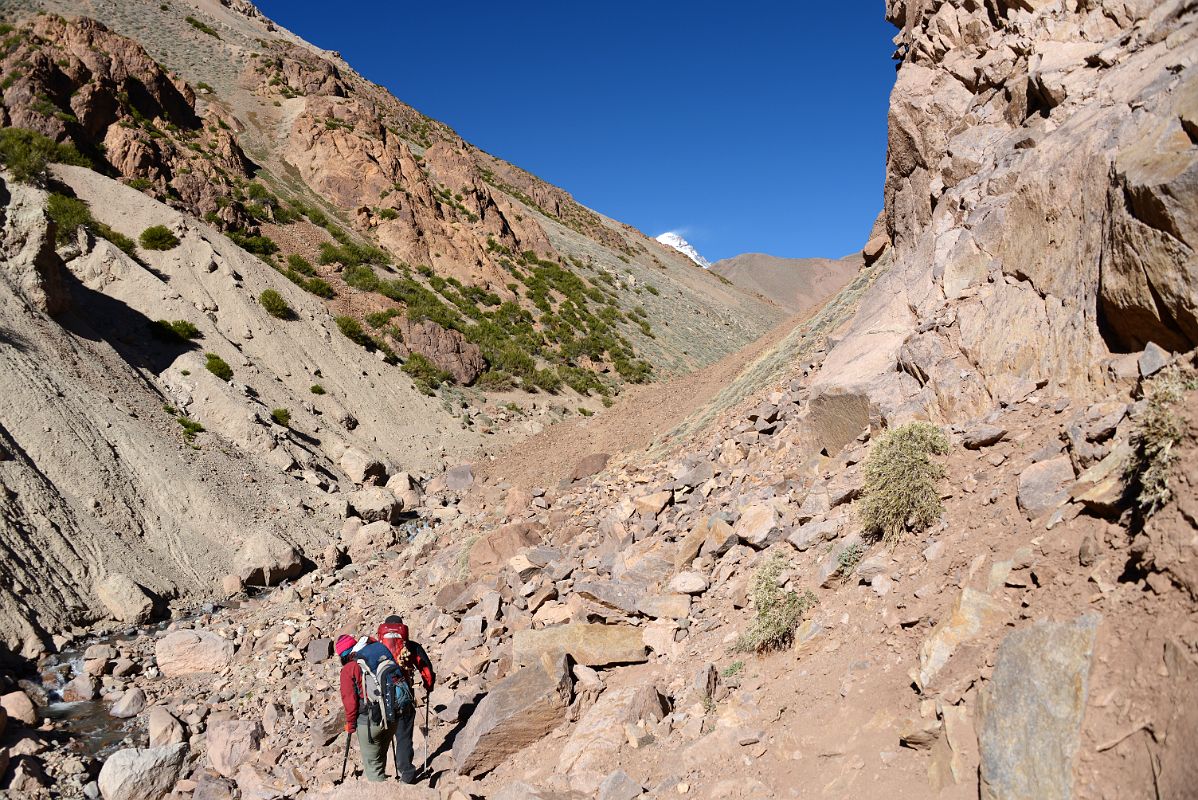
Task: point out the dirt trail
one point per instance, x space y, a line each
636 419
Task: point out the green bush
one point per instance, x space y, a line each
495 380
202 27
218 367
179 329
190 428
281 416
1158 432
547 380
899 492
158 237
68 214
425 374
316 388
301 265
261 246
778 613
275 305
353 331
26 153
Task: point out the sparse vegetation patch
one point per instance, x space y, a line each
900 492
218 366
1157 433
778 612
179 329
26 153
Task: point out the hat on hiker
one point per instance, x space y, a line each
394 619
345 643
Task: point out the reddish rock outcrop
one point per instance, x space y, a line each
76 81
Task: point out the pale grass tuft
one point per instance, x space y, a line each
778 612
900 491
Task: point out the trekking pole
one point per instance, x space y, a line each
345 761
426 704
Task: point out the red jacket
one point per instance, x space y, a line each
351 673
395 637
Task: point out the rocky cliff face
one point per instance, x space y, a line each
1040 203
76 81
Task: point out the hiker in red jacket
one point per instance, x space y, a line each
374 737
410 657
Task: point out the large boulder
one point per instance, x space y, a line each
375 504
519 710
231 743
142 774
266 560
758 526
1030 712
164 728
130 704
18 706
361 467
590 644
191 652
589 465
595 743
492 550
124 599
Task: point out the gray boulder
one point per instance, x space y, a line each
124 599
1031 710
141 774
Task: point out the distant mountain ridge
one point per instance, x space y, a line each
796 284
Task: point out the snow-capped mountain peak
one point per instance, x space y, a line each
671 239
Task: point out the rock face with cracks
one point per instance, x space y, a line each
518 711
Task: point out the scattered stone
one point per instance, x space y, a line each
688 583
231 743
758 526
665 606
375 504
1031 709
141 774
619 786
362 468
18 706
973 615
1044 486
497 547
81 688
192 651
164 728
653 504
319 650
124 599
459 478
132 703
983 436
1153 360
590 465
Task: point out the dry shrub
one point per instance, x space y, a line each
778 612
1157 433
900 491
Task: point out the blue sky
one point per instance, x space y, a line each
747 127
